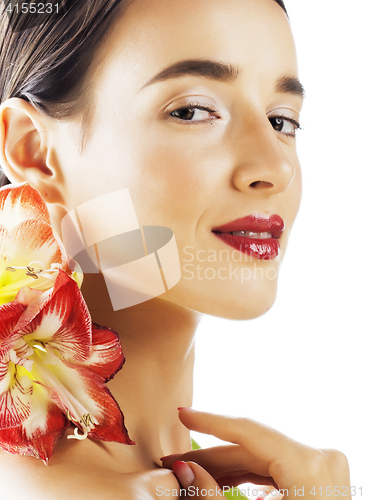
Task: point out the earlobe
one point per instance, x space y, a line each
25 151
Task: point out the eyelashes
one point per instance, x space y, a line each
191 110
195 113
284 125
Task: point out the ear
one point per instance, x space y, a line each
26 153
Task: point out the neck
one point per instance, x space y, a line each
157 338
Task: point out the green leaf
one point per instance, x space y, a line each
195 445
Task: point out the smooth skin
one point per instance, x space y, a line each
190 169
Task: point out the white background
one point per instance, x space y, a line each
301 367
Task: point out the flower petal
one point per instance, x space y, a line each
106 355
63 321
20 353
9 316
5 237
27 295
111 425
19 203
16 402
6 375
31 246
88 389
33 240
41 441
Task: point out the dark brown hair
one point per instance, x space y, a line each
282 5
47 64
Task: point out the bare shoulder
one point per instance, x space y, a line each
68 477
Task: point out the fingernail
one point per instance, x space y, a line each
169 457
186 408
184 474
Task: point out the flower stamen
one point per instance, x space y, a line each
78 436
86 422
32 272
40 347
36 273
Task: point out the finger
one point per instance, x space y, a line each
274 495
233 481
289 462
259 440
220 460
196 481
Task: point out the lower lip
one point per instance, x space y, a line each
266 249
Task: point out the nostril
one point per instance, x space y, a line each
261 184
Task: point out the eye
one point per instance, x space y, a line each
287 126
194 113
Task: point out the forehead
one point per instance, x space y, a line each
152 34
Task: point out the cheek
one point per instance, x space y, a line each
295 193
177 177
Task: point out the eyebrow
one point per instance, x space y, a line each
291 85
209 69
219 71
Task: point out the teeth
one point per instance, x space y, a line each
249 234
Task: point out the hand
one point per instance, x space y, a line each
260 455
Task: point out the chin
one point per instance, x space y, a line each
240 302
245 306
249 310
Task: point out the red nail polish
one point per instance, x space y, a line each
184 473
178 465
168 457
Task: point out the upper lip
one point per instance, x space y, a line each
256 223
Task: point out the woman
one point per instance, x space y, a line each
194 109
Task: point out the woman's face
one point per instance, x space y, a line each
201 145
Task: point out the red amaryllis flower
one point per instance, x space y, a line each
54 364
30 252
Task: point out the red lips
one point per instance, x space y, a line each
264 248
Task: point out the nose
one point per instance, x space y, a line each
262 165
